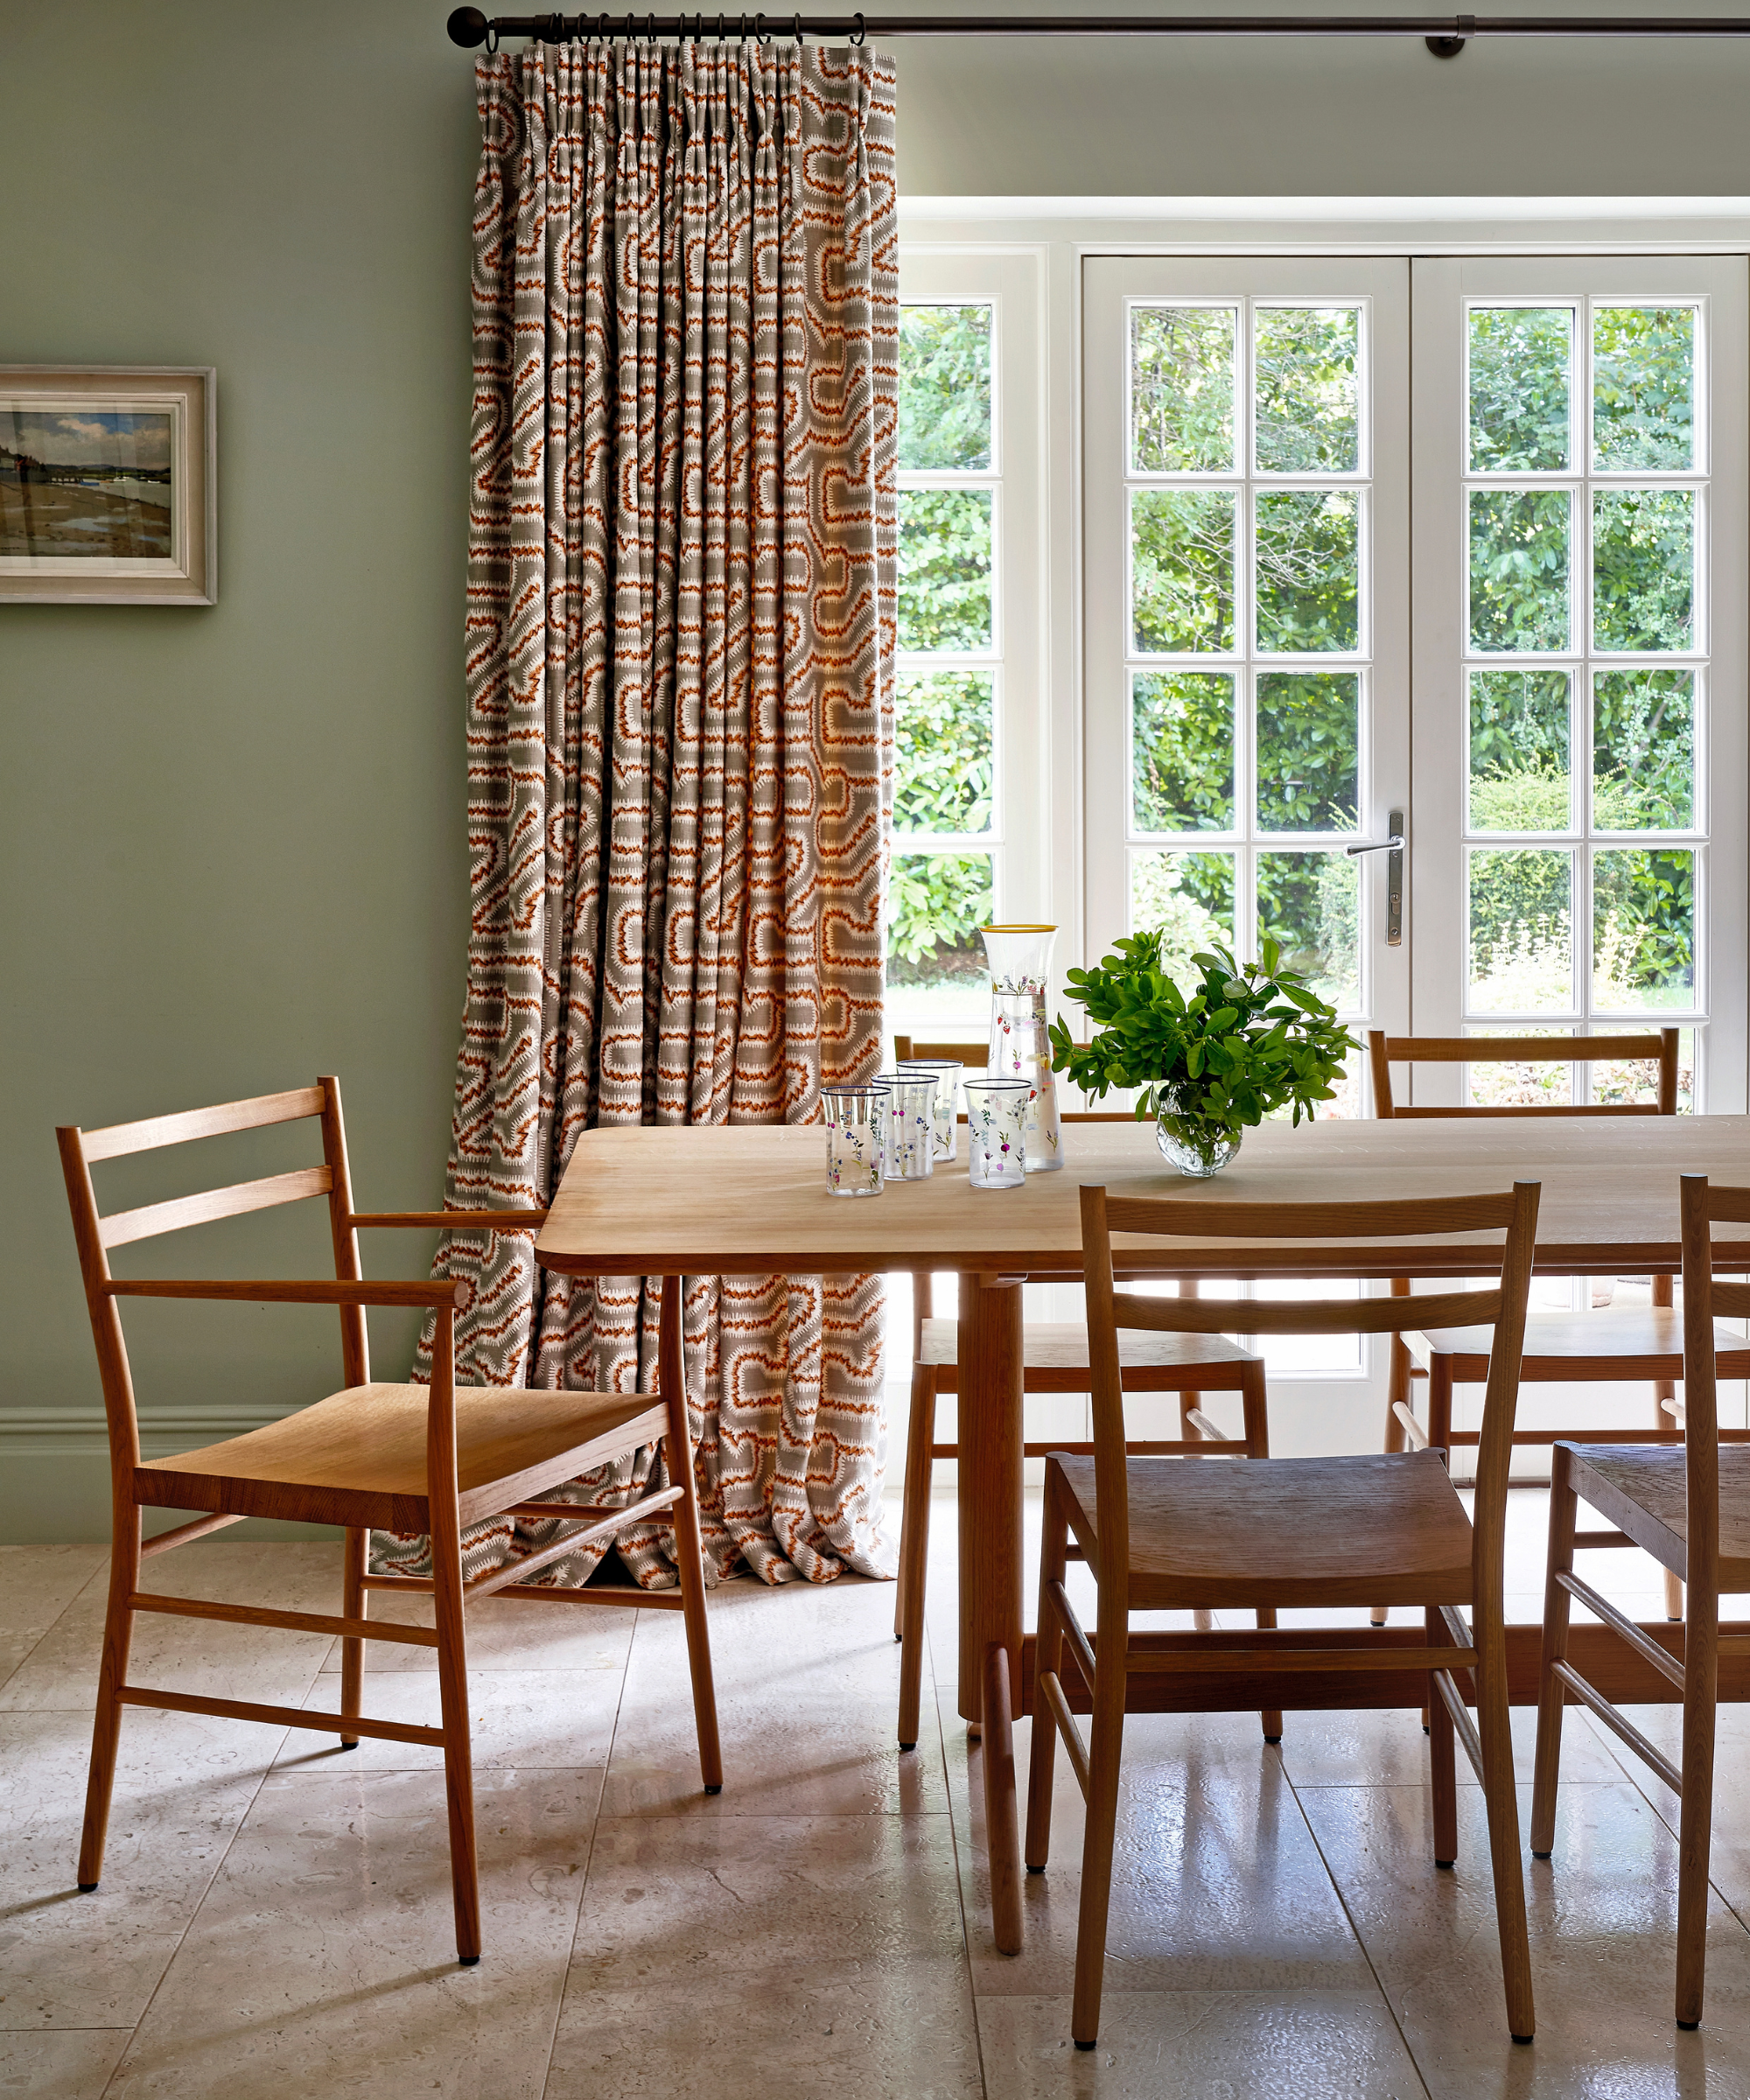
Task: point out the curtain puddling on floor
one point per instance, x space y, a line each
682 536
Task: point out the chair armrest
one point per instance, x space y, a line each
274 1291
482 1220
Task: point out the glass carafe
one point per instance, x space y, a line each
1020 963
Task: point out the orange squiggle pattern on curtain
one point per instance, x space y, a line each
680 656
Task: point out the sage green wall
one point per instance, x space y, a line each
233 836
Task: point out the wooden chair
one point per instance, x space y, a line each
1690 1510
1053 1360
1320 1532
1605 1348
405 1458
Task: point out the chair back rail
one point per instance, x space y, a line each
1385 1051
1513 1214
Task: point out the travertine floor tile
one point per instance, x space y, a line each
1279 2045
1602 1946
1217 1884
36 1584
73 2063
503 1633
183 1784
674 1902
524 1717
797 1644
1386 1748
324 1960
885 2030
193 1654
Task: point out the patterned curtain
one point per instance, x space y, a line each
679 665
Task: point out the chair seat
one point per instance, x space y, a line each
1285 1532
1061 1345
1637 1342
358 1456
1641 1488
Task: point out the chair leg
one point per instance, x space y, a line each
354 1604
1440 1404
1203 1620
1695 1830
1551 1699
1504 1826
1255 1400
106 1728
452 1692
1105 1757
1666 1389
1396 1388
915 1551
1442 1768
689 1553
1047 1661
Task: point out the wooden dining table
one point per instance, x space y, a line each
752 1199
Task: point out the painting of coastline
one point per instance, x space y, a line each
85 482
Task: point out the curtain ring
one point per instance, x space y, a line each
761 34
859 33
719 29
741 34
601 26
630 32
799 32
492 39
650 26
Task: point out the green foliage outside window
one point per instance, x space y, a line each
945 568
945 388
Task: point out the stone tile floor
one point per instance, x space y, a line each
275 1919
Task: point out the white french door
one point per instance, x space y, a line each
1578 863
1246 593
1540 660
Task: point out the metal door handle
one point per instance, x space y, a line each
1392 846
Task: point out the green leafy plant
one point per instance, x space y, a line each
1249 1040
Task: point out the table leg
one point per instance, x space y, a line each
989 1439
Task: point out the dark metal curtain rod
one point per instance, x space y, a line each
1445 35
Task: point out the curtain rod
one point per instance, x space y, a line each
1445 35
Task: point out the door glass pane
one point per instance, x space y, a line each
1308 749
1190 897
1182 389
1182 750
1311 903
1520 930
1637 1081
1182 568
941 754
1643 569
1519 568
1644 751
1520 358
1526 1085
937 902
1520 779
1643 929
1308 570
1644 388
945 568
945 388
1307 389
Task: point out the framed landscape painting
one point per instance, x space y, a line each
107 485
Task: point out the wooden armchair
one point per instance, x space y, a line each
406 1458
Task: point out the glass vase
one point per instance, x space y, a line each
1193 1145
1020 964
